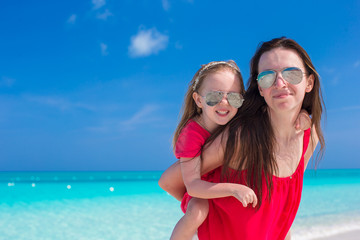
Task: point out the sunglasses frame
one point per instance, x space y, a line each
271 71
222 94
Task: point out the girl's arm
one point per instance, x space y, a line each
171 180
190 169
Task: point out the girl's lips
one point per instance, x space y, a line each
222 112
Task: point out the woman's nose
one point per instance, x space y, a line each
279 81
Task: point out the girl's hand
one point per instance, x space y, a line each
245 195
303 121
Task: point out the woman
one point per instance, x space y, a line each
262 149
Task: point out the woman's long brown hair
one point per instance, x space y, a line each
251 143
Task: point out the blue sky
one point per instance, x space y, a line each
98 84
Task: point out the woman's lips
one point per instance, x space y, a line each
281 95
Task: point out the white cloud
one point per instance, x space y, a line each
147 42
50 101
105 15
166 5
7 82
98 3
104 47
58 102
141 116
72 19
357 64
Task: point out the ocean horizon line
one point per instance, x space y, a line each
22 171
105 176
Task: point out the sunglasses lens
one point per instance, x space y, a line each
266 79
213 98
235 99
292 75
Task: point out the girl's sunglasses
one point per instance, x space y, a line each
292 75
213 98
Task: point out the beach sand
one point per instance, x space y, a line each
353 235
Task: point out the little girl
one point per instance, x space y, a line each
213 99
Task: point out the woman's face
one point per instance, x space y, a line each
282 95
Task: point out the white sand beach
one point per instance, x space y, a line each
353 235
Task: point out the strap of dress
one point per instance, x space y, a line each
306 140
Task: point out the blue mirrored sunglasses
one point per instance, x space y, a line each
292 75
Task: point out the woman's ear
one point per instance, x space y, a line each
198 99
309 83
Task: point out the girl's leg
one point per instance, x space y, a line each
196 212
171 181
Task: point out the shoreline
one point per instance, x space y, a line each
351 235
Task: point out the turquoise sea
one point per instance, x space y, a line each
130 205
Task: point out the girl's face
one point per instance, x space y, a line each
220 114
282 95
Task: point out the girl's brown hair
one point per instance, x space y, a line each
190 109
251 142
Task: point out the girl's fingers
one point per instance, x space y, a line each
244 203
249 198
244 200
255 201
297 124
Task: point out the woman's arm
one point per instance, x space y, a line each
212 157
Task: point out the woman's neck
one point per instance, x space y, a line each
283 123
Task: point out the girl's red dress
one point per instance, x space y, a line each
189 145
228 219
